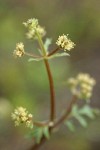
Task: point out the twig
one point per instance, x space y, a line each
52 93
40 124
58 122
53 52
33 55
67 113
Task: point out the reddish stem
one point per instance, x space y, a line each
58 122
67 113
53 52
52 93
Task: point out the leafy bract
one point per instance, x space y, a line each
39 132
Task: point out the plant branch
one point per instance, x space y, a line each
67 113
58 122
54 51
32 55
52 93
40 124
41 43
37 146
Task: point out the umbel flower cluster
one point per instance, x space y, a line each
21 116
35 31
82 85
19 51
65 43
33 28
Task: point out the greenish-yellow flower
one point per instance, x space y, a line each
19 51
31 23
82 85
21 116
65 43
33 27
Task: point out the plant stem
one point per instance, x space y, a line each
40 124
67 113
32 55
37 146
53 52
52 93
58 122
41 43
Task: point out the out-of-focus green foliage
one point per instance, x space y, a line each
81 115
38 133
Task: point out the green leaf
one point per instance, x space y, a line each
79 113
35 59
87 111
81 120
70 125
38 135
46 132
79 117
74 110
58 55
47 43
40 51
32 133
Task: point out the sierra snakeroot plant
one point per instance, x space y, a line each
81 87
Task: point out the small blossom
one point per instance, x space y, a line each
19 51
41 31
21 116
82 85
31 23
72 82
30 34
33 27
65 43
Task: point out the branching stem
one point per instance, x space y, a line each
40 124
64 117
67 113
53 52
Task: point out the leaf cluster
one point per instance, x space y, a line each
81 115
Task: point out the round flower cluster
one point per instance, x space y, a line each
19 51
33 27
21 116
82 85
65 43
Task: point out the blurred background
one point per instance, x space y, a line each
25 84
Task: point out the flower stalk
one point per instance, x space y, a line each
52 93
54 51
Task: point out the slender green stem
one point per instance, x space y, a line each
32 55
52 93
41 43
